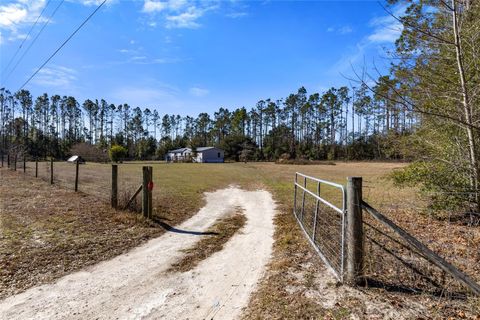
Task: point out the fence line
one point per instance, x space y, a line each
94 179
360 236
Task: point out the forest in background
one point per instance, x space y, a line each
425 109
340 123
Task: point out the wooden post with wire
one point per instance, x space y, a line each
114 195
77 163
354 231
150 197
147 187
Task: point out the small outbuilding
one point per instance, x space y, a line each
74 159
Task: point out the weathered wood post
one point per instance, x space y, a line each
36 167
354 231
114 195
2 159
24 164
147 185
77 163
8 160
150 197
145 180
51 170
15 163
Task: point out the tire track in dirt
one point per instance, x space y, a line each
135 285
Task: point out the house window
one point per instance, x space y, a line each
219 154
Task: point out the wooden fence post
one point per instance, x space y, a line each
146 177
51 170
8 160
24 164
15 163
2 159
77 163
354 231
36 167
150 188
146 192
114 195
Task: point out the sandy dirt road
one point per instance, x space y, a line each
135 285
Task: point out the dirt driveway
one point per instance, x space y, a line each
135 285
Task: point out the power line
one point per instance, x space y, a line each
63 44
25 39
34 40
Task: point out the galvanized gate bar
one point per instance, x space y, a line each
337 268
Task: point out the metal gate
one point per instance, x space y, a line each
322 221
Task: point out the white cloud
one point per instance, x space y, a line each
16 14
198 92
176 13
150 93
150 6
187 19
385 31
345 30
386 28
96 2
341 30
236 15
56 76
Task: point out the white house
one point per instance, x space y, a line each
209 154
204 154
181 154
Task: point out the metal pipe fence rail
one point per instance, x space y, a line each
322 221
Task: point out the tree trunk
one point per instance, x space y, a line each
472 148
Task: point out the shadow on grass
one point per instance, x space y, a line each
169 228
400 288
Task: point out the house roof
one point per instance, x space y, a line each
200 149
179 150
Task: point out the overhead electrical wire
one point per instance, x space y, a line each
63 44
34 40
25 39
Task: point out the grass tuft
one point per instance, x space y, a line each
218 236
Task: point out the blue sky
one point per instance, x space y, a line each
187 57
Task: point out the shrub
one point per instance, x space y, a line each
117 153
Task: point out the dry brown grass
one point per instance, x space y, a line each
47 232
214 240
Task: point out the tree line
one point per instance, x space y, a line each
425 109
341 123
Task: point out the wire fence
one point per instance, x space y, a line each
93 178
321 220
393 263
391 258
